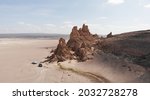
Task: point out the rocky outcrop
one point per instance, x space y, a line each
109 35
79 46
77 37
74 32
85 30
129 46
61 53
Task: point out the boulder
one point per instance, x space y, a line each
40 65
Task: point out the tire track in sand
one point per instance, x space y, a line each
93 77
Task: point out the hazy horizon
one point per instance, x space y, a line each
38 33
53 16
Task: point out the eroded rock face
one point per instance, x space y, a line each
82 43
77 37
79 45
109 35
61 53
83 52
75 33
85 30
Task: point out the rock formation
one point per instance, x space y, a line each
78 47
85 30
83 35
61 53
109 35
74 32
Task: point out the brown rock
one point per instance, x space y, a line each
52 51
61 47
74 43
74 32
85 30
80 36
84 52
79 46
40 65
109 35
81 53
81 32
83 43
61 53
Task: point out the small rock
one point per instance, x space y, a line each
40 65
34 62
69 75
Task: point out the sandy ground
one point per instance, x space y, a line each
110 68
16 56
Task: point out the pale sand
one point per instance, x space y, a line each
109 68
16 56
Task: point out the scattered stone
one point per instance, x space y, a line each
34 62
40 65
